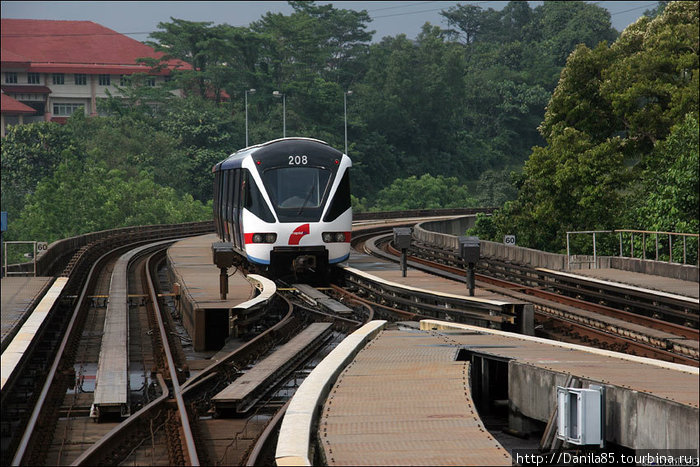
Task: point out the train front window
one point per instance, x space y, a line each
297 193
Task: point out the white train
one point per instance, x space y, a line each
285 205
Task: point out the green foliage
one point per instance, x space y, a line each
426 192
460 106
668 193
81 198
610 142
30 153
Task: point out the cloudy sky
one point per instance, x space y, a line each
137 19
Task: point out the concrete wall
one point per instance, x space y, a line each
445 234
633 419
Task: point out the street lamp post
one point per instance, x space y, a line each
345 113
251 91
284 112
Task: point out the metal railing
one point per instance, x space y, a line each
644 234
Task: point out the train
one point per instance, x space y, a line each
285 207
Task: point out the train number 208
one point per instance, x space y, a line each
298 160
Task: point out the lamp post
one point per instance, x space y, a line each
247 91
284 112
345 112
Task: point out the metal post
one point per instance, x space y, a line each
683 249
670 248
403 261
34 259
620 244
251 91
595 258
632 245
284 111
656 237
246 118
470 278
568 256
223 283
345 114
644 245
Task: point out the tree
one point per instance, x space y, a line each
604 126
426 192
30 153
78 199
668 192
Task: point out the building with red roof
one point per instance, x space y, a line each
58 67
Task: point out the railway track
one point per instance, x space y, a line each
172 419
568 318
217 439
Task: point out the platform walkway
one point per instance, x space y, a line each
646 281
404 400
19 296
204 314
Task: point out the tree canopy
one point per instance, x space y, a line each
621 151
447 119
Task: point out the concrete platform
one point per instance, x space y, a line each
205 316
14 353
19 295
645 281
391 272
406 398
651 404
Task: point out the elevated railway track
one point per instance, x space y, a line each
173 421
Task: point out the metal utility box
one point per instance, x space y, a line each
222 254
402 238
580 415
470 249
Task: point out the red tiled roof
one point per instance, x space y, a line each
25 89
9 56
50 45
9 105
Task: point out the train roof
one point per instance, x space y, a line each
271 148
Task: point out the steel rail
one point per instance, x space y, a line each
31 425
182 409
645 349
266 435
654 323
92 455
639 348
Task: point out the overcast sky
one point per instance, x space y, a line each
137 19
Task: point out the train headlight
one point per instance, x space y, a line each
263 238
335 237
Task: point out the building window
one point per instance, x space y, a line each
80 79
11 77
66 110
58 78
124 80
150 81
168 78
33 78
104 80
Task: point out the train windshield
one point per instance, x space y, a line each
297 193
